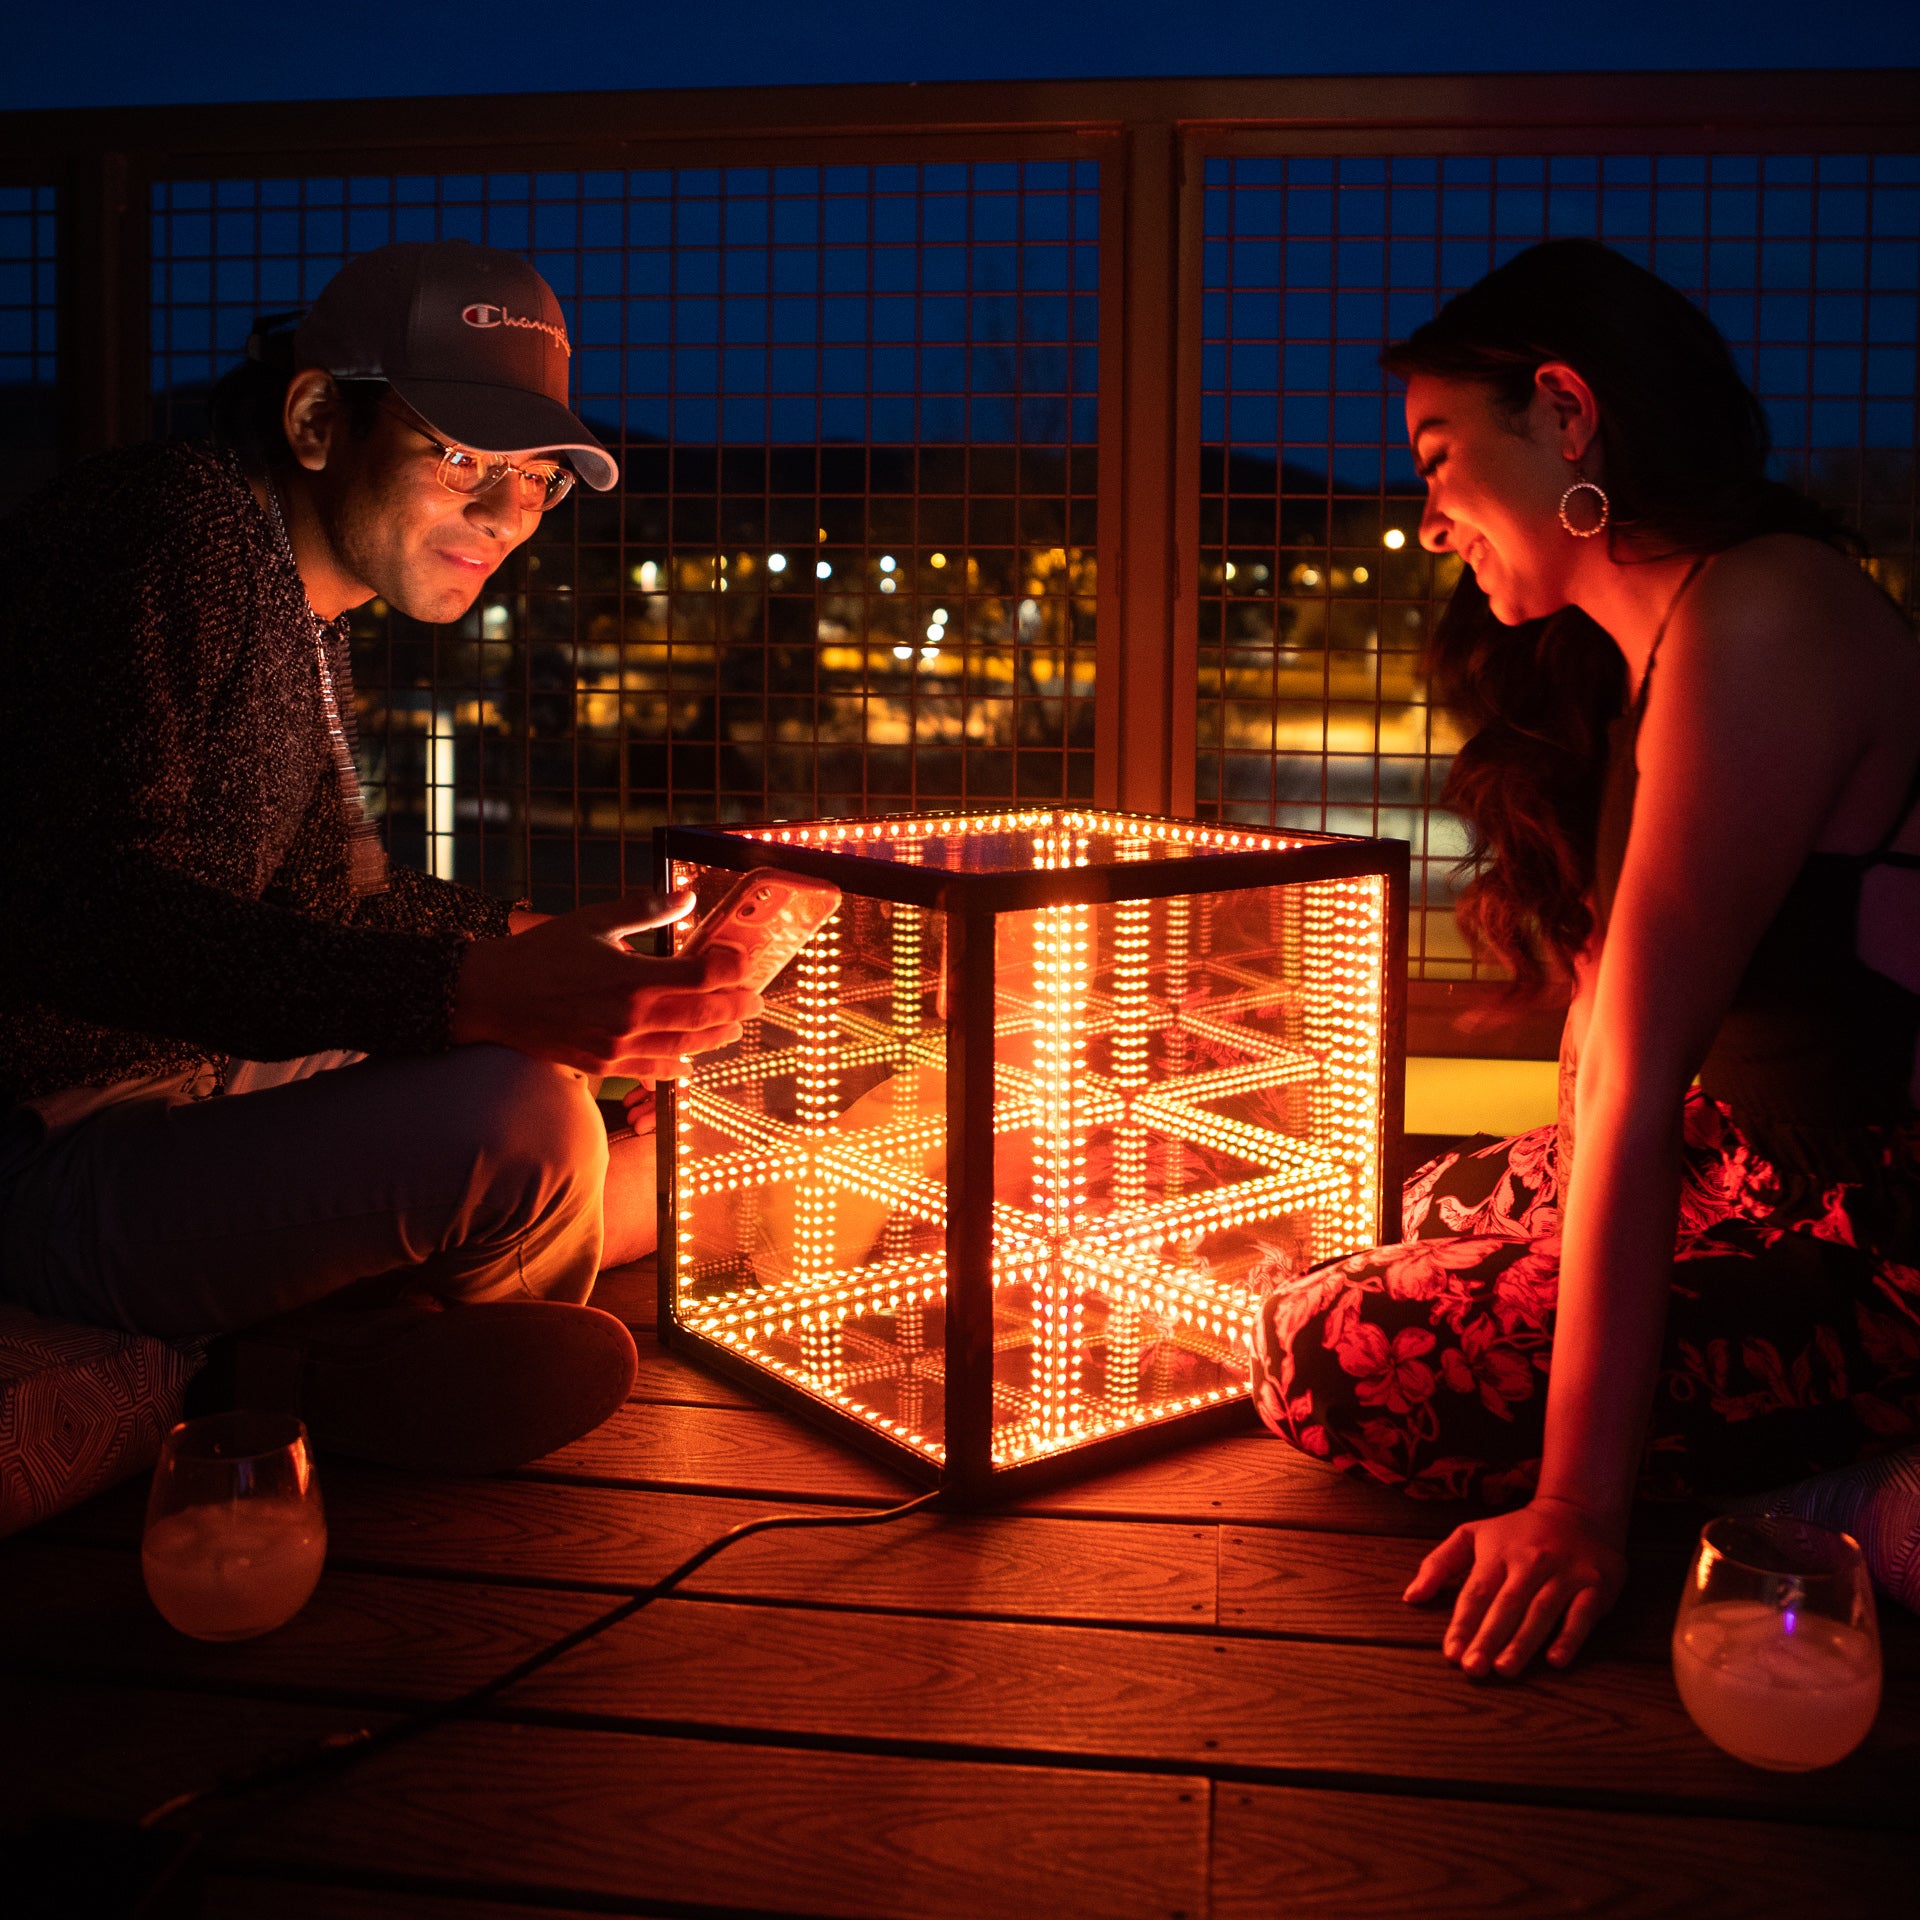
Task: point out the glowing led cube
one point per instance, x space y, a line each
995 1183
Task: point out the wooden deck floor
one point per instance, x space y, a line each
1188 1689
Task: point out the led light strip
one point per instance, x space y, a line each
1109 1057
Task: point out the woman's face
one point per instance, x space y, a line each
1494 483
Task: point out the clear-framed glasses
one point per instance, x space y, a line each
537 484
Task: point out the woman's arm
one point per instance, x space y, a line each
1752 733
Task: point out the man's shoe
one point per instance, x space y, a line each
455 1390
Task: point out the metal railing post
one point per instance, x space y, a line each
1144 689
103 255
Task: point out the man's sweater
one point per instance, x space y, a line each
173 839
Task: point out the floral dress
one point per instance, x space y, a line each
1792 1339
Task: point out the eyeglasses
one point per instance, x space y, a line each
537 484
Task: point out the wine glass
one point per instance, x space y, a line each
235 1532
1776 1650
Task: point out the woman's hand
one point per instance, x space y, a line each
569 990
1521 1575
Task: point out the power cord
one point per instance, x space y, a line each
337 1751
75 1869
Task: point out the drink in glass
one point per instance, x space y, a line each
235 1532
1776 1650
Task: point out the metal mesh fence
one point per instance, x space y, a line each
29 319
1316 597
850 566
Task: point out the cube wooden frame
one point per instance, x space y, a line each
1192 859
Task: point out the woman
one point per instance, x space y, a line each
1694 792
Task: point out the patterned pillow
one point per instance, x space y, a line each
80 1408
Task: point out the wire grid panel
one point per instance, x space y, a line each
850 566
29 320
1316 598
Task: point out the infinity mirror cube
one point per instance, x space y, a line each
995 1183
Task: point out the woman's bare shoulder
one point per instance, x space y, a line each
1792 574
1788 604
1786 654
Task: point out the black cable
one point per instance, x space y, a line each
335 1752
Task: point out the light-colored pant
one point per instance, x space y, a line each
471 1176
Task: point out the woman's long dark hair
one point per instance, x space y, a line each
1683 448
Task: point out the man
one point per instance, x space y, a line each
249 1076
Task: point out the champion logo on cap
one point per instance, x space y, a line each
484 313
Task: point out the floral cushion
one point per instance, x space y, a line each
80 1408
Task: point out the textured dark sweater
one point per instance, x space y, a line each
173 840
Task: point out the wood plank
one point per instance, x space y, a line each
629 1293
732 1450
1323 1586
980 1565
518 1530
521 1530
1343 1856
1063 1570
1254 1479
546 1815
227 1896
510 1530
1342 1587
1606 1732
1348 1587
739 1827
111 1752
667 1379
1248 1480
366 1637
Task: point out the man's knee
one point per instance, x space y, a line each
534 1127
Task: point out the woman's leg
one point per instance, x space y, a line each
1798 1354
1507 1188
1878 1502
1789 1347
1421 1365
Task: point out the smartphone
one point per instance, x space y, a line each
768 916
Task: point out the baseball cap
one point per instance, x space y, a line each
471 338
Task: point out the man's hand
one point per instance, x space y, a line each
1521 1575
568 990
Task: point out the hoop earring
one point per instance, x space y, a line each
1606 509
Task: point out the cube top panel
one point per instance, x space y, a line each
1019 841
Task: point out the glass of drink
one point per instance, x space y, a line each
1776 1650
235 1531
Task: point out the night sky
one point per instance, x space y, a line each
121 53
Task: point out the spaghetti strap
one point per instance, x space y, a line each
1660 633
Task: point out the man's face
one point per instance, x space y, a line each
398 532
